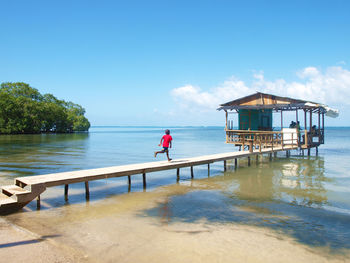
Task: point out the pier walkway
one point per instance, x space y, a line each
26 189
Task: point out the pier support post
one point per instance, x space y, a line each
208 169
270 156
177 174
144 180
129 183
275 154
66 186
316 151
38 202
257 158
236 163
308 151
192 172
225 166
248 161
251 146
87 192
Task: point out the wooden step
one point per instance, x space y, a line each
17 193
4 200
10 190
13 197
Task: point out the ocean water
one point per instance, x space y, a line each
303 200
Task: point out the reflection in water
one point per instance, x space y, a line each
303 181
298 180
305 199
22 155
286 195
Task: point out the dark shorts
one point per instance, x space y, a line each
165 149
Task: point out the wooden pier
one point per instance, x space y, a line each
26 189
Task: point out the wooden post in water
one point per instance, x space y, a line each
38 202
178 174
236 163
192 172
66 192
87 192
316 151
225 165
129 183
270 156
248 160
208 169
144 180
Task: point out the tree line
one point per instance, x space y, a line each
24 110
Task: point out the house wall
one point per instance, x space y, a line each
255 119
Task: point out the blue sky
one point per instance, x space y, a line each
171 62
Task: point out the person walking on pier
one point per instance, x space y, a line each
166 140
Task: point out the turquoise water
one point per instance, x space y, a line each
306 198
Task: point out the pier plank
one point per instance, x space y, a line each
39 183
56 179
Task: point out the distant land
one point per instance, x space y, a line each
24 110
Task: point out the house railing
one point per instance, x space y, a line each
263 139
312 138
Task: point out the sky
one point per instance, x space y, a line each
169 63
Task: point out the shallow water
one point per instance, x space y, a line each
293 204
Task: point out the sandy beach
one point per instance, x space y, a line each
118 230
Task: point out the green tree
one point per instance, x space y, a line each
24 110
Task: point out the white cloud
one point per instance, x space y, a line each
331 86
190 94
192 97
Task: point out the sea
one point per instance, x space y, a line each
292 209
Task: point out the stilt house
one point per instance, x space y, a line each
255 122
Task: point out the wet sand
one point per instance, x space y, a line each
21 245
120 229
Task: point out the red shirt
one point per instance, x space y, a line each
166 140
